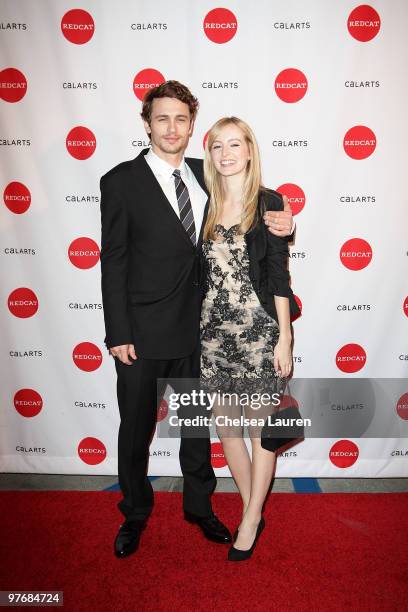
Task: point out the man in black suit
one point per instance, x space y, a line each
153 211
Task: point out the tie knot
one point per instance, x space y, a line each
177 173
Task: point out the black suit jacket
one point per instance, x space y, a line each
150 268
268 259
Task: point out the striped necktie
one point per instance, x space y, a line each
184 204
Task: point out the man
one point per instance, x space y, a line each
153 211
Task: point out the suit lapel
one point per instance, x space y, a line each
149 185
197 170
200 238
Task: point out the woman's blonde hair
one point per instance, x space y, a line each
213 181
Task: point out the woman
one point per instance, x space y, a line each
245 323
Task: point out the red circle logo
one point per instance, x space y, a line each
364 23
299 303
405 306
295 195
162 410
92 451
217 455
402 407
77 26
220 25
343 453
17 197
13 85
359 142
356 254
83 253
81 142
146 79
28 402
87 356
291 85
205 138
351 358
22 303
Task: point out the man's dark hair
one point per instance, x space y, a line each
169 89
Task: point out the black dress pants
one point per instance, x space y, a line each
138 402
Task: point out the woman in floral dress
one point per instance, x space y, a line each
245 323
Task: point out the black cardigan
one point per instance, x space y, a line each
268 259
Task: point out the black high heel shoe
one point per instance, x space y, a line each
234 554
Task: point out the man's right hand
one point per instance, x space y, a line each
280 222
122 353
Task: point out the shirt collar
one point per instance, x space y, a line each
164 169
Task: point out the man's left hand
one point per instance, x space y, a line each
280 222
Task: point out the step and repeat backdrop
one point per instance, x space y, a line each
323 85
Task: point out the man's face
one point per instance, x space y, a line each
170 126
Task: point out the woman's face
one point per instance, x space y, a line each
229 151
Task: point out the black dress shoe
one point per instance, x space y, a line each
211 527
127 540
234 554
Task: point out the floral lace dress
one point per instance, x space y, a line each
237 335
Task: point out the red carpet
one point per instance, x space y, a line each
318 552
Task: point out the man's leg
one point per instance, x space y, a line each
198 473
195 459
137 398
195 448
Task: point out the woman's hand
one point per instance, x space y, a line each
282 357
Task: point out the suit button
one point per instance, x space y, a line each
195 284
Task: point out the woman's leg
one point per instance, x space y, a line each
263 463
239 463
234 447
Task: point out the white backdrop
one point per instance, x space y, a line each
64 69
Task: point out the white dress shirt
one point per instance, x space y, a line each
164 175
